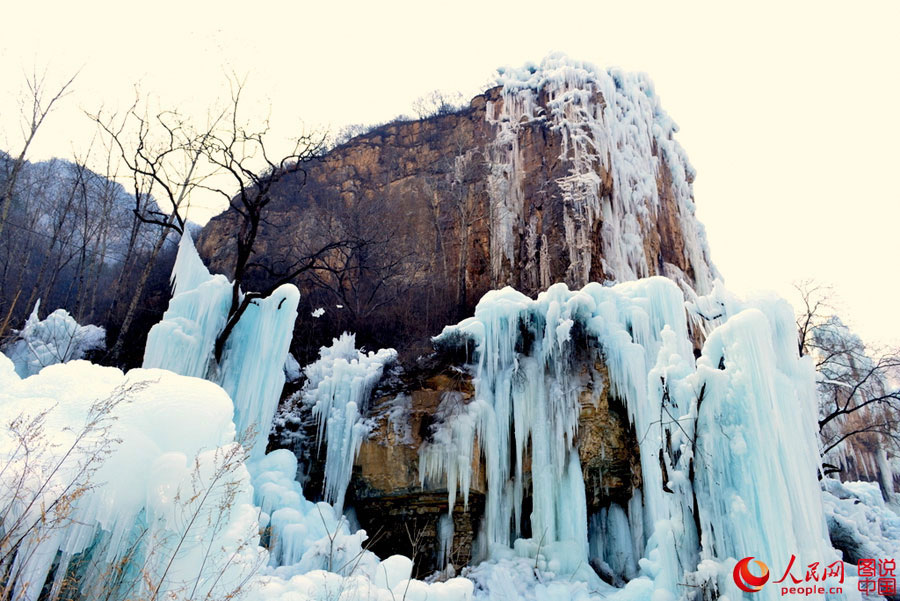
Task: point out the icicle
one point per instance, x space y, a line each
337 388
610 122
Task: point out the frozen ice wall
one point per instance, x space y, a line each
610 122
756 454
252 366
183 341
337 388
132 487
313 551
57 338
729 435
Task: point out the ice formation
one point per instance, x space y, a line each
728 459
730 435
56 339
859 521
337 388
132 486
313 552
610 121
252 366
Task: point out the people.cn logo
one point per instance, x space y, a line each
745 580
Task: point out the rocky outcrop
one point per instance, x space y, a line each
565 173
387 492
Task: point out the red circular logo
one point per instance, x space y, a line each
746 581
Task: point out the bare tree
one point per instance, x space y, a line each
244 154
36 106
162 154
859 399
372 267
437 103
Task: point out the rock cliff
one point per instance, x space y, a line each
560 173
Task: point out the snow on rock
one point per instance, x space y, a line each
859 521
337 388
58 338
292 369
608 120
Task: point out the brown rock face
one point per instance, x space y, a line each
386 490
458 204
608 448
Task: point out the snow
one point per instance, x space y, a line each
8 373
317 313
58 338
859 521
143 442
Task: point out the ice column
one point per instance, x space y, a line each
251 370
337 388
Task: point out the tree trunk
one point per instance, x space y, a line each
116 350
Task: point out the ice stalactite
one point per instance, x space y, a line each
183 341
251 370
252 367
610 123
731 434
337 388
522 399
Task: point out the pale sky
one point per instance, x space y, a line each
788 111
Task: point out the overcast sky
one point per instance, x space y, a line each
788 111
